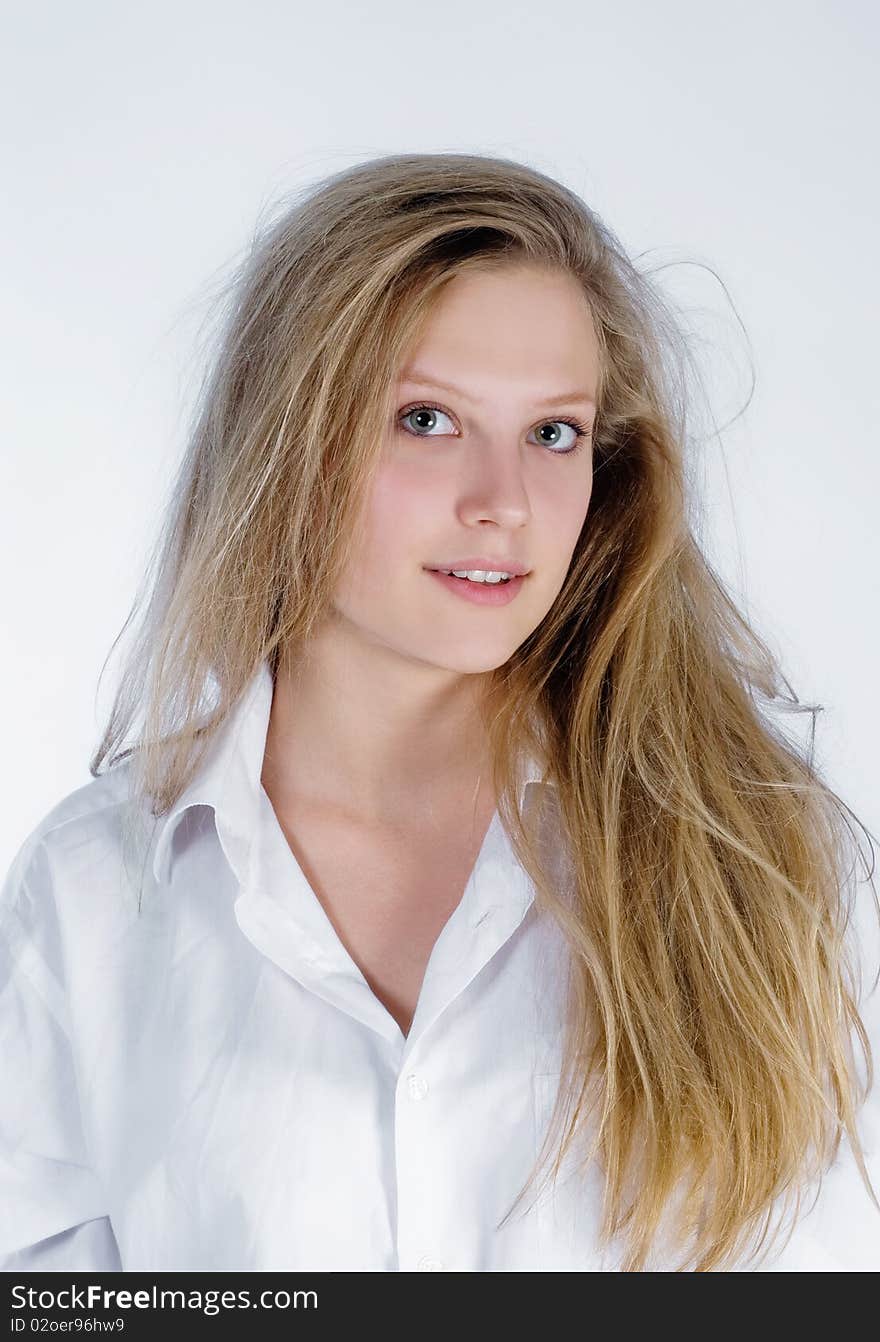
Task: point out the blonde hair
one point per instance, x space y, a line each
712 1005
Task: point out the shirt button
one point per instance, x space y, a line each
428 1264
417 1086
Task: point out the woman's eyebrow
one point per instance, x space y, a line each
414 375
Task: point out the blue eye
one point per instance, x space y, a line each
428 411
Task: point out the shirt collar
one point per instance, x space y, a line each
228 780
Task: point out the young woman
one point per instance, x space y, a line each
455 837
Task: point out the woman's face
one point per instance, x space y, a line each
489 470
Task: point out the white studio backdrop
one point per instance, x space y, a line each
733 146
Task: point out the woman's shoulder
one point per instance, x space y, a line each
80 835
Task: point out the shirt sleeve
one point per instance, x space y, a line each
53 1212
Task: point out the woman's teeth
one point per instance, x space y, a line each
477 575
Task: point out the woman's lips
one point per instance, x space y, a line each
480 593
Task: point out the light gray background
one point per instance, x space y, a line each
733 145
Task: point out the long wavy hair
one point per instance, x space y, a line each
712 1020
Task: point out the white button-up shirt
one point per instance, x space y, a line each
210 1083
